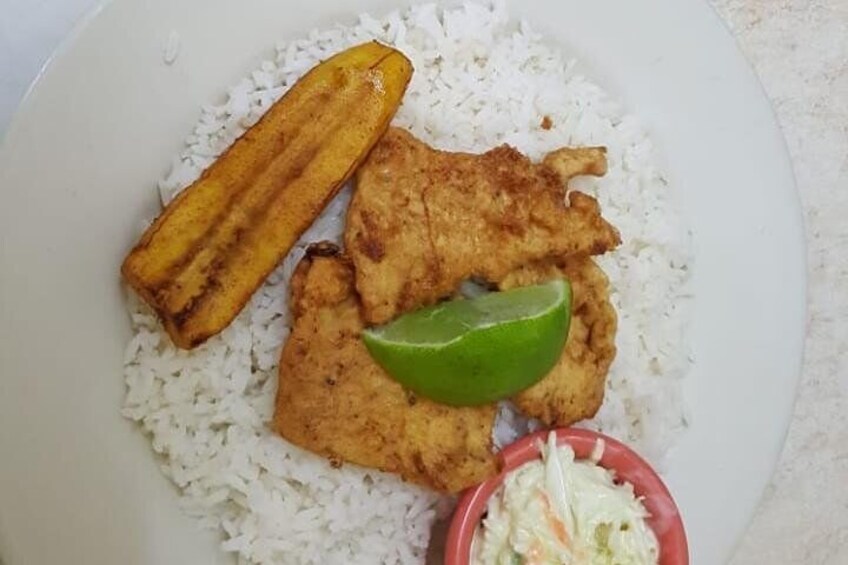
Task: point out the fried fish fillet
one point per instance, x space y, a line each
574 389
421 220
334 400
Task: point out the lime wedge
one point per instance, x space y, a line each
471 352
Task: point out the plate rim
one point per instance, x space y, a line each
81 26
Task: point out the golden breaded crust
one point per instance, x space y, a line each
421 220
334 399
574 389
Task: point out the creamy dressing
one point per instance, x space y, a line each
560 511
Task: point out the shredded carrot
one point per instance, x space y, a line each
554 522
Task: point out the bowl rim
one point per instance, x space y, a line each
627 465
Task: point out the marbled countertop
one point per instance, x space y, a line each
799 48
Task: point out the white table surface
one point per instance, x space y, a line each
800 51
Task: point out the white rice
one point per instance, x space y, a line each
480 80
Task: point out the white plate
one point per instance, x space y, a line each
78 484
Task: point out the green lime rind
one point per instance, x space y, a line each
472 352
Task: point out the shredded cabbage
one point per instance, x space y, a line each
562 511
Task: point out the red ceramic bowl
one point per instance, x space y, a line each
628 466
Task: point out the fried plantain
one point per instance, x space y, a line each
204 256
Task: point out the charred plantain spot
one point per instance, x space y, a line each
323 249
370 247
368 220
197 340
418 462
